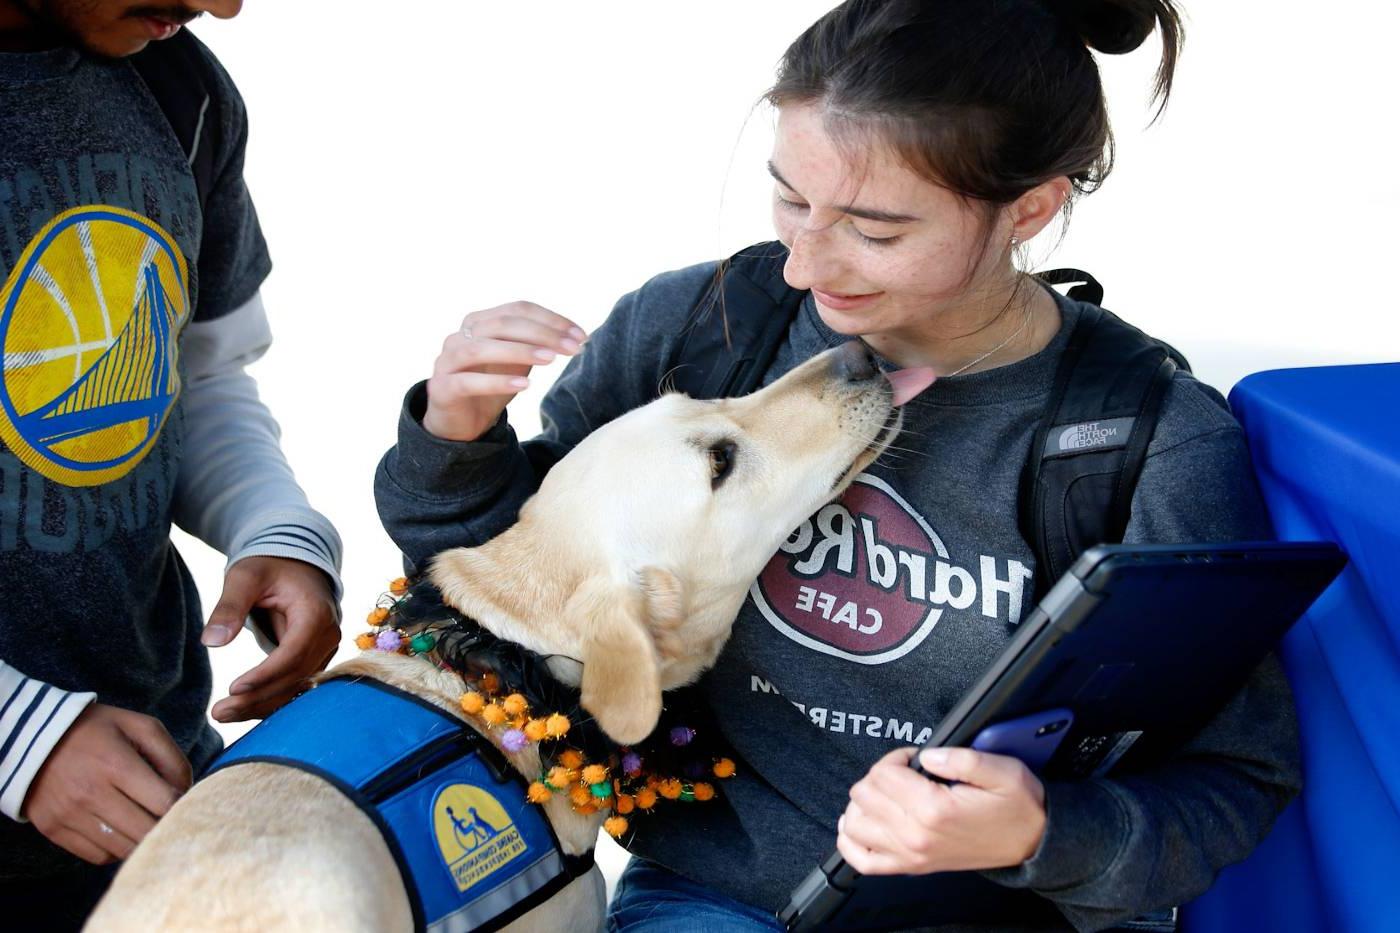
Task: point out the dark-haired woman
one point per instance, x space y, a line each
918 144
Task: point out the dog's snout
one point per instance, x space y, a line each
854 362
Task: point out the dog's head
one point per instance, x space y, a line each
634 556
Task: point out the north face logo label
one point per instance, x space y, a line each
867 579
1100 435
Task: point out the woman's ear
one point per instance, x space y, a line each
1034 210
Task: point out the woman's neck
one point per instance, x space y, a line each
1002 328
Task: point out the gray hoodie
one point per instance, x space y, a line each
875 616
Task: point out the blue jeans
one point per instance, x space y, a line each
650 899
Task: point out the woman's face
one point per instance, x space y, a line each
883 250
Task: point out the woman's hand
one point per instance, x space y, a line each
485 364
900 822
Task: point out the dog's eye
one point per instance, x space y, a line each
721 462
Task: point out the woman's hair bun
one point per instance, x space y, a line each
1112 27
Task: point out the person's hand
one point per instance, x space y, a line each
302 616
106 782
900 822
485 364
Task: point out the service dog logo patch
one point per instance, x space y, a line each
474 833
867 579
90 318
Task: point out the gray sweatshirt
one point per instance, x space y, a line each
875 616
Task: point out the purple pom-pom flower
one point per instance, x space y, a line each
514 740
681 735
631 764
388 640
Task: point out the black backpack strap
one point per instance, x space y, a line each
180 76
1086 287
1088 451
737 326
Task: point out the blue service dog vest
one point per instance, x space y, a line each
473 852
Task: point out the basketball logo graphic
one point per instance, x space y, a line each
90 318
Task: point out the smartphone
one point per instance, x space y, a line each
1033 739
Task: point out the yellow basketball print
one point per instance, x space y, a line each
90 318
474 833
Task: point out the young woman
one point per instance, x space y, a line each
918 143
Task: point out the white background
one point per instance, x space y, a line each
413 162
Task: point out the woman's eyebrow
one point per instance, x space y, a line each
868 213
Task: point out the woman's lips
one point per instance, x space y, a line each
845 302
160 28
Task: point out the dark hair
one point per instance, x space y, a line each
988 98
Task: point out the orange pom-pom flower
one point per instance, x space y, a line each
571 758
364 642
558 725
473 702
724 768
560 777
703 791
646 798
579 795
399 586
493 714
377 616
515 704
624 803
536 730
616 826
538 792
595 774
671 789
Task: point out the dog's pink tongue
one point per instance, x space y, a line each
909 382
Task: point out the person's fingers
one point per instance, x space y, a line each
487 323
309 633
168 771
449 388
510 357
864 860
242 588
129 822
80 846
870 831
908 820
978 769
262 702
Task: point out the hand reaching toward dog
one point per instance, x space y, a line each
302 617
106 782
486 363
900 822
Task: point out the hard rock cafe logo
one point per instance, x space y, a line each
867 579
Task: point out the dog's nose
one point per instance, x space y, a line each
854 362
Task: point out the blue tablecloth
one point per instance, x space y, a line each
1326 447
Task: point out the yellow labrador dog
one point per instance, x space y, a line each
634 558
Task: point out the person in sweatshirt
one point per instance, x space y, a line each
130 307
918 145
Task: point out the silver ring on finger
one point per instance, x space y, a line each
467 331
104 829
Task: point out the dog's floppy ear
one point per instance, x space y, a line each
621 683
